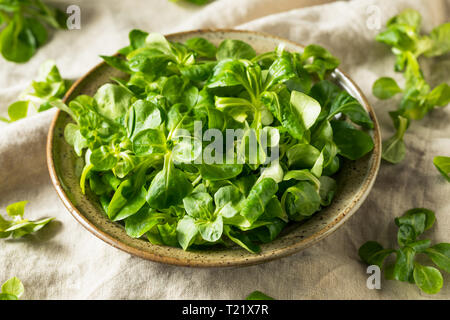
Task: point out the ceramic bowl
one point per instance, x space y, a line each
355 180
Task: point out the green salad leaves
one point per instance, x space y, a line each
47 88
23 27
403 36
18 226
410 226
157 147
12 289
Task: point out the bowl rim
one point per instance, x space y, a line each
259 258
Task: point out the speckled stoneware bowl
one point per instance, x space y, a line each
355 179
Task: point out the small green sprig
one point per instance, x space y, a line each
403 36
23 27
19 227
258 295
48 87
12 289
411 225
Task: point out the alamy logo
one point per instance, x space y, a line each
74 17
235 146
374 20
374 280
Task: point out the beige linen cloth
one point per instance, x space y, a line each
66 261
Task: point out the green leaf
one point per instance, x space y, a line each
404 265
13 287
215 172
439 96
137 38
302 82
151 62
211 231
198 72
282 109
322 60
281 70
103 159
187 231
241 239
394 148
232 73
199 205
143 221
197 2
112 101
38 31
3 119
308 108
428 279
332 167
18 110
258 198
4 225
98 186
420 219
16 209
273 170
328 188
409 17
440 37
149 142
5 296
301 201
349 106
443 165
158 42
406 234
235 49
258 295
274 210
117 62
17 41
173 89
169 187
373 253
322 136
420 246
127 200
400 36
440 255
202 47
302 175
21 228
352 143
73 136
239 109
168 234
325 92
84 174
302 156
268 231
227 195
385 88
